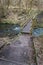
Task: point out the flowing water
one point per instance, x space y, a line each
9 29
37 32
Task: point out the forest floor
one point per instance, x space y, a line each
22 49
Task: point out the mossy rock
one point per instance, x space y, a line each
38 20
8 29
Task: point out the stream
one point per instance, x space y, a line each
7 29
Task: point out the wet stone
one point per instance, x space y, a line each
16 53
20 51
7 29
27 28
37 32
10 63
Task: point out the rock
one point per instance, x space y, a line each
37 32
19 52
27 28
7 29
